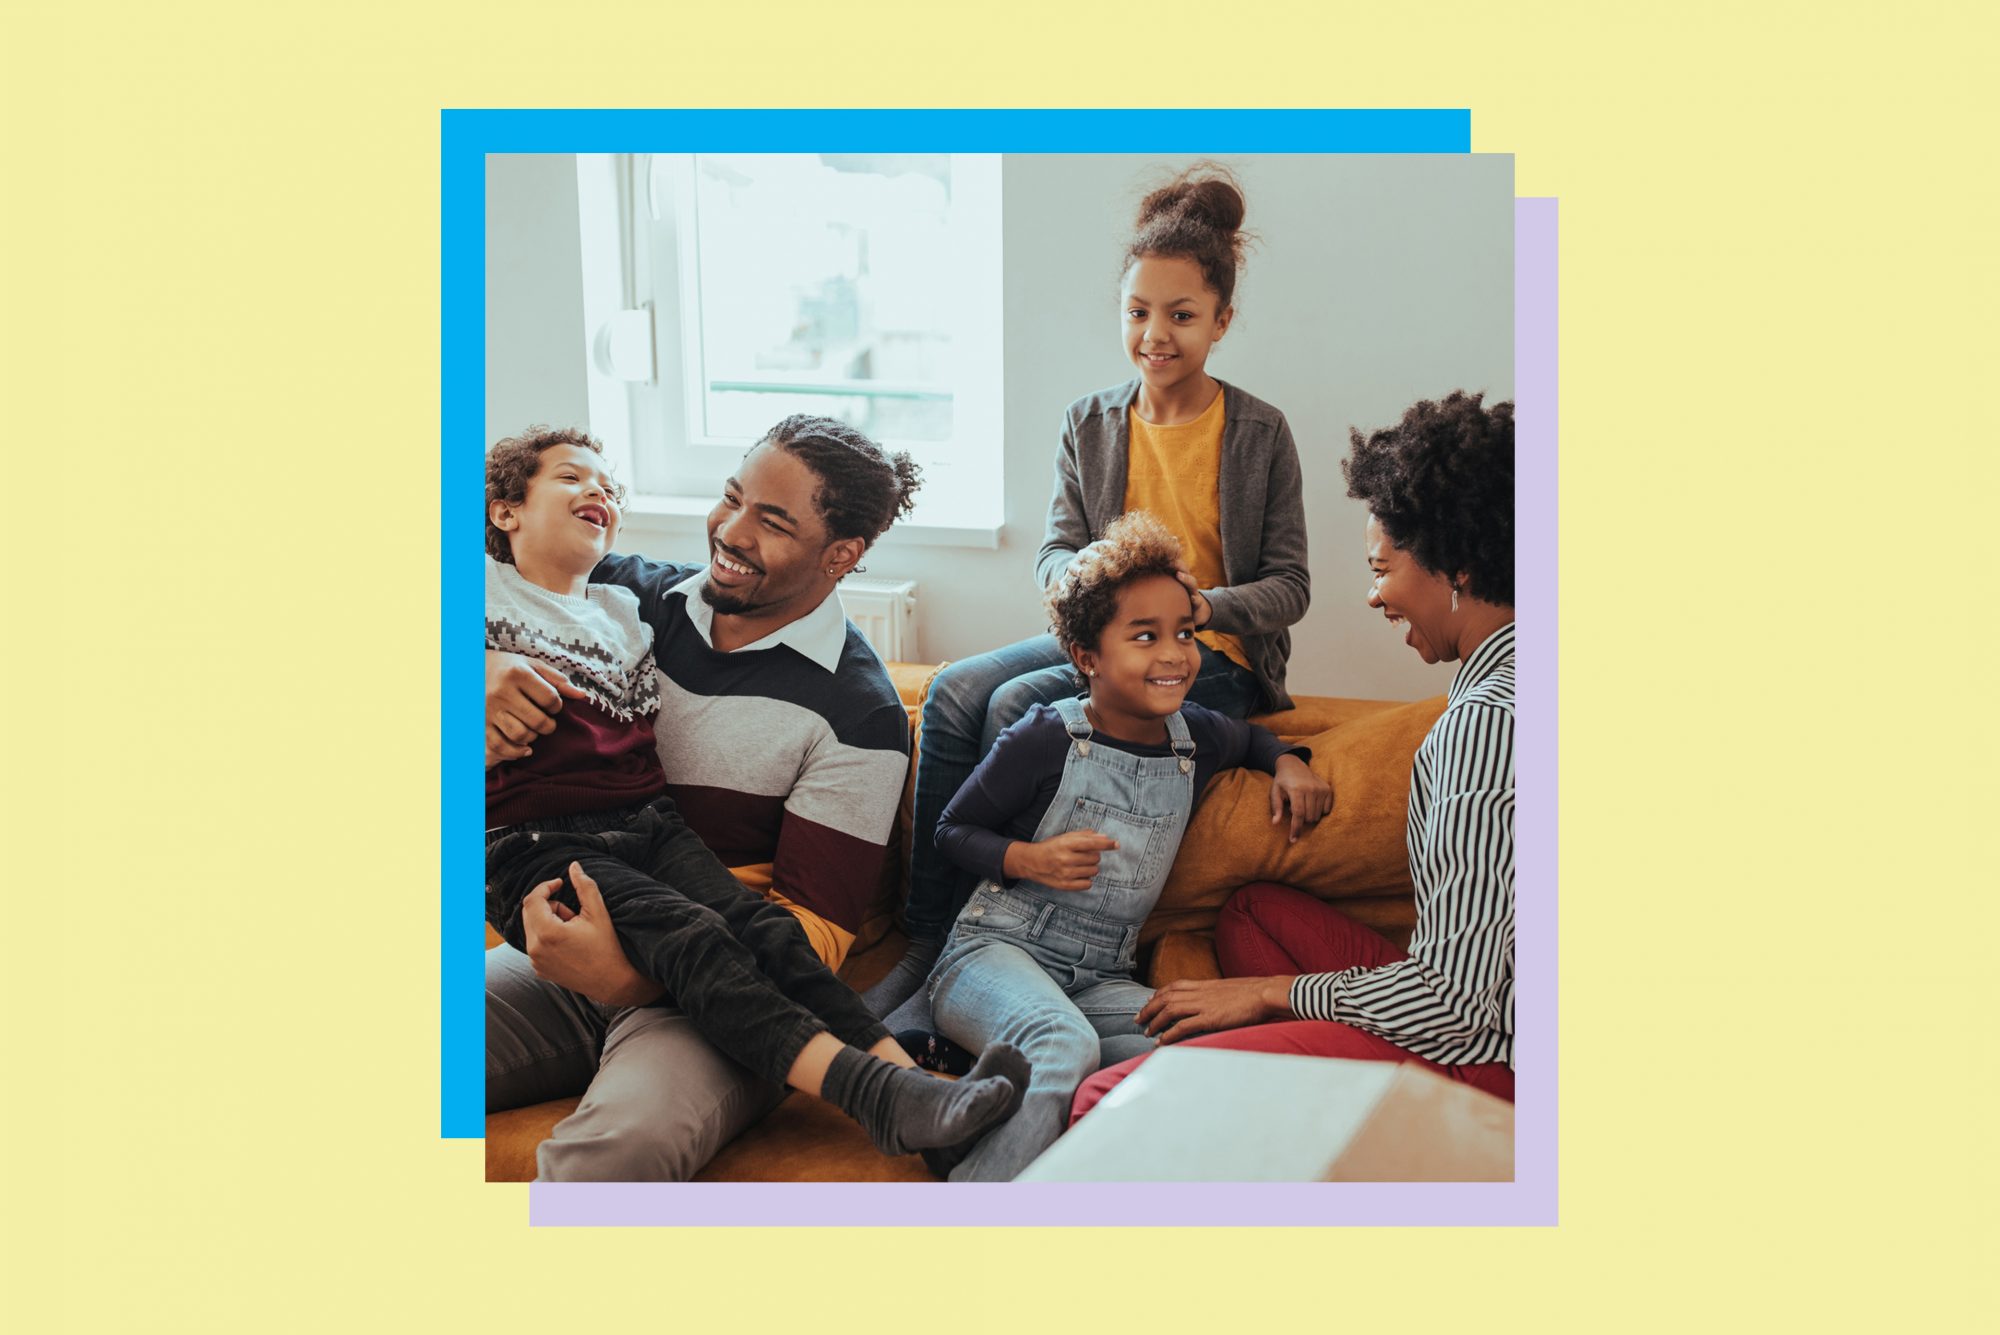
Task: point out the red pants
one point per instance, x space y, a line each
1270 929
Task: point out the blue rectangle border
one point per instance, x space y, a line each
466 137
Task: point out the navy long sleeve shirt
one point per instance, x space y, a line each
1007 796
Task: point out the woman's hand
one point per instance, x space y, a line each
580 950
1066 862
523 696
1186 1008
1295 786
1203 609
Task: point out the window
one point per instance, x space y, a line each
723 292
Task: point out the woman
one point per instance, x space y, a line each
1303 977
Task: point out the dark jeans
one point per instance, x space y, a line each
739 965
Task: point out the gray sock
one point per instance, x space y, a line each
1000 1060
903 1110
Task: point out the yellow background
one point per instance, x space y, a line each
221 314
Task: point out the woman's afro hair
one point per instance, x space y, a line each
1441 484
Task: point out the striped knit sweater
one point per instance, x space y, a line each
1452 1000
773 758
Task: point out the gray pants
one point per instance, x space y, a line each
658 1100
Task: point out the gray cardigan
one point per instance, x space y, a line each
1262 501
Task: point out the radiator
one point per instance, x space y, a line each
886 612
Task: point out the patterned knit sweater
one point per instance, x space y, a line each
602 754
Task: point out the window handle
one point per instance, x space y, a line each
623 347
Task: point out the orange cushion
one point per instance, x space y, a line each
1356 855
1179 955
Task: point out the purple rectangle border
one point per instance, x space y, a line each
1530 1199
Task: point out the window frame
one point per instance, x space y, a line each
643 365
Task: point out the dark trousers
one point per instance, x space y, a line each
739 965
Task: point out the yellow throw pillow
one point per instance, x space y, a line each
1357 854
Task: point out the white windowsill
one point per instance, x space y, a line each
687 514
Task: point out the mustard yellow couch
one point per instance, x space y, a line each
1356 856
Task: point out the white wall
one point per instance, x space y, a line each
1376 281
534 295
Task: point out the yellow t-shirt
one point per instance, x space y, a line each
1175 472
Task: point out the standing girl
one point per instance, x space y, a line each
1215 464
1070 827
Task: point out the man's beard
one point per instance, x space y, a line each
728 604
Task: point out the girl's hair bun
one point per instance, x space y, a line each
1204 192
1196 216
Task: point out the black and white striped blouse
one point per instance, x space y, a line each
1452 1000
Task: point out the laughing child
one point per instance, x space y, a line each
1071 824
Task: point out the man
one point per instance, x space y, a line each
783 742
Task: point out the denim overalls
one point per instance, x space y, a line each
1049 970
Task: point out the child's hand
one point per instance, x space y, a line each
1294 785
1066 862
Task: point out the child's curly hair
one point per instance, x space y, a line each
1083 601
512 462
1441 484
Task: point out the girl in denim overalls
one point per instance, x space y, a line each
1072 822
1217 464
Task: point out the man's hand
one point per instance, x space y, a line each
580 951
523 695
1203 609
1186 1008
1294 785
1066 862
